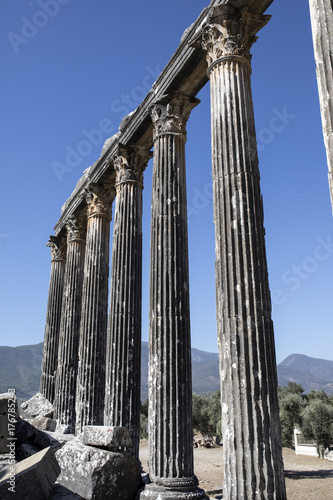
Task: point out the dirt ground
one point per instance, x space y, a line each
307 478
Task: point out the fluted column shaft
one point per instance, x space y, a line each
68 353
123 365
170 381
90 391
322 30
53 317
253 466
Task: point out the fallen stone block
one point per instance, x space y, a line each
25 433
96 474
37 406
111 438
59 492
64 429
31 479
44 424
8 415
25 451
62 439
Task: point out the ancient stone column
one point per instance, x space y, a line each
68 353
53 316
253 466
123 365
170 381
322 30
90 391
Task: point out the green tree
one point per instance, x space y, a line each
317 424
207 414
291 406
317 395
144 419
291 388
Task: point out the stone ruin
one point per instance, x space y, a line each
91 364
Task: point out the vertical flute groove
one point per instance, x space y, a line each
90 390
53 317
253 466
122 398
170 379
68 353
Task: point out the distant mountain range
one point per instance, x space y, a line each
20 368
311 373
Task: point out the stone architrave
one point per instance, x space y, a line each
253 465
90 390
322 31
123 366
65 388
170 380
53 316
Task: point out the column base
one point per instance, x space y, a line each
155 492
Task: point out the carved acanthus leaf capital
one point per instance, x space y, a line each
230 32
170 114
58 248
99 200
130 164
76 226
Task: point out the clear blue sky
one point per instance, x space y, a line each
69 65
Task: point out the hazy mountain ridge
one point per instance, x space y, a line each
312 373
20 367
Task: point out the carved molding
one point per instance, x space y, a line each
170 114
230 33
99 200
76 226
58 248
130 164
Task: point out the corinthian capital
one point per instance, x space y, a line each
58 248
170 114
99 200
76 226
231 32
130 164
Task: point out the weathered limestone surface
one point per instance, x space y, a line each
123 366
37 406
25 433
111 438
98 474
253 466
68 353
34 477
322 31
170 379
93 330
53 316
44 424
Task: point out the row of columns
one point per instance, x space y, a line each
109 357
